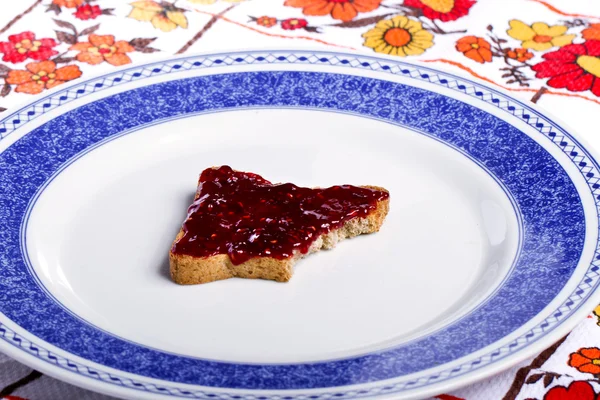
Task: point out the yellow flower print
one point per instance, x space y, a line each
539 36
398 36
164 15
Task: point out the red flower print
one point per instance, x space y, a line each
267 22
24 45
444 10
103 48
87 12
575 67
294 23
578 390
41 75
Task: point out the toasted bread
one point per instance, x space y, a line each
190 269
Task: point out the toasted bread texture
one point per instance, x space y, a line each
190 270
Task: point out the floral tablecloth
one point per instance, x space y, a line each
545 51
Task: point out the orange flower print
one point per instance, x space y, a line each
41 75
475 48
586 360
103 48
267 22
344 10
520 55
591 33
68 3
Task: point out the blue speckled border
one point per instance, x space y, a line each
543 190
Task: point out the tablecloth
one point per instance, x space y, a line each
544 51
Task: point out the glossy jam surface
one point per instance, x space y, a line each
244 215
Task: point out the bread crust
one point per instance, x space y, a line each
190 270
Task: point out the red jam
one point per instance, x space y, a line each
244 215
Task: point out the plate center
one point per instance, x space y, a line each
99 234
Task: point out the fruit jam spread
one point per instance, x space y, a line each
243 215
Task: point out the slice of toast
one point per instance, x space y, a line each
193 265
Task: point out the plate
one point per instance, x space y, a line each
488 255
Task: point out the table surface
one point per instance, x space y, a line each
545 51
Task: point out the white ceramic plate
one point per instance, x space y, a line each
488 254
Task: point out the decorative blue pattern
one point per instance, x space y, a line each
548 201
